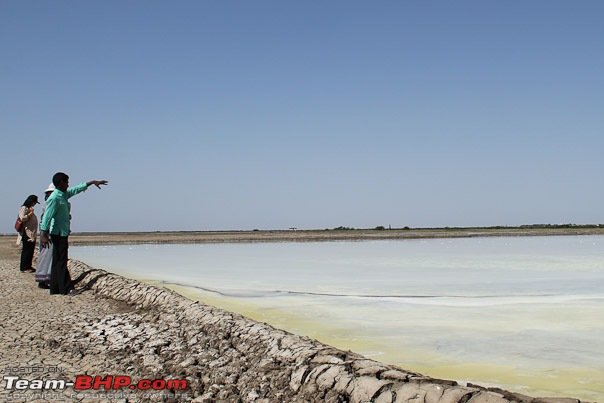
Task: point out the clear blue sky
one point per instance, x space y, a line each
217 115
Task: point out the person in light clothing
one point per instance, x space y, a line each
56 226
28 235
45 254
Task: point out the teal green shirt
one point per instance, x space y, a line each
57 217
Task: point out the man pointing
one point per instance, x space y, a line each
56 222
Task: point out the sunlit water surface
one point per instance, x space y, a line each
522 313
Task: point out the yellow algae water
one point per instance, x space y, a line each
523 314
584 383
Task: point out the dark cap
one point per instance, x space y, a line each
31 200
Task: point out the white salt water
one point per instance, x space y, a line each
521 313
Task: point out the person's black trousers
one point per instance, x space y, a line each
60 279
27 253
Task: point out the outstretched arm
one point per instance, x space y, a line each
97 183
72 191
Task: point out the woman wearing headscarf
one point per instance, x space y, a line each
29 233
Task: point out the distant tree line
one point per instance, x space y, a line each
563 226
527 226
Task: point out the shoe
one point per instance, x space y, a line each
30 270
45 286
73 291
